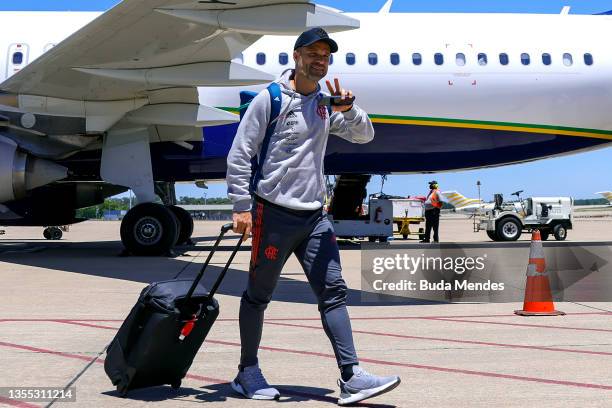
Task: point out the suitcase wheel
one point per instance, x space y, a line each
176 385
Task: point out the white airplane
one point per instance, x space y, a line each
464 204
98 103
607 195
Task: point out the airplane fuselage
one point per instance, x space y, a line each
445 91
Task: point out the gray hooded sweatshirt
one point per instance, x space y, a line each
292 173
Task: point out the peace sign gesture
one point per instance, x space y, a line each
339 91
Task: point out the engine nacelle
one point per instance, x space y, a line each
20 172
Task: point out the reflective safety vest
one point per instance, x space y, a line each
434 199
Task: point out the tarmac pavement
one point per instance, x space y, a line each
63 301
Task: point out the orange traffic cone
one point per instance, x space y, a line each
538 296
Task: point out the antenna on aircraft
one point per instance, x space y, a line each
386 7
565 10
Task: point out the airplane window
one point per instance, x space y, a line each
503 58
261 58
372 58
439 58
482 59
567 59
283 58
588 59
460 59
417 59
17 58
525 59
350 58
395 59
546 59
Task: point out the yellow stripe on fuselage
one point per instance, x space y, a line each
510 128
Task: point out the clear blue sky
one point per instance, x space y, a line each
460 6
578 175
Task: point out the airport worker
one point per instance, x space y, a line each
433 204
283 208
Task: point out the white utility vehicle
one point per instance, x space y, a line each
506 221
377 224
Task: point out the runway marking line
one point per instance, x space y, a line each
398 364
447 340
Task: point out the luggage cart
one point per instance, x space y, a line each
408 212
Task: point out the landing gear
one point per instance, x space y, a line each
53 233
149 229
185 224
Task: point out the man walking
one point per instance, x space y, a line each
432 212
282 206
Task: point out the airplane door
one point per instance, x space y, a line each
18 56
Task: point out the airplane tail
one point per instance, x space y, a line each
458 200
607 195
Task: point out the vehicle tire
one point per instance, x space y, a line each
405 236
492 235
47 233
185 224
560 232
383 239
508 229
149 229
56 233
176 385
544 235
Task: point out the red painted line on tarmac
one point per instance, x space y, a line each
208 380
15 403
45 351
431 368
447 340
281 319
540 326
97 326
367 360
315 318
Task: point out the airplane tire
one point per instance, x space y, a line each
185 224
56 233
149 229
52 233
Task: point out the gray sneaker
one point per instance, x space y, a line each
251 383
363 385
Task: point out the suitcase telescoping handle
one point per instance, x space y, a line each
213 290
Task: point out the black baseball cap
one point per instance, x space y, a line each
312 36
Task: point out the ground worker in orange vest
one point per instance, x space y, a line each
432 212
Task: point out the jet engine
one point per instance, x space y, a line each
21 172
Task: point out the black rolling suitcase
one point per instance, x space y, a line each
159 339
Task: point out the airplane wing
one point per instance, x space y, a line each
458 200
151 52
607 195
